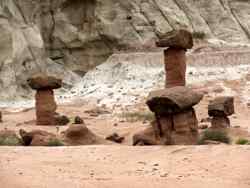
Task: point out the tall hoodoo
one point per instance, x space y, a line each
177 41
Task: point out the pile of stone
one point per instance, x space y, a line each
80 135
175 119
219 109
177 41
45 101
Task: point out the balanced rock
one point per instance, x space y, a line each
176 39
221 106
45 101
172 100
176 121
44 82
219 109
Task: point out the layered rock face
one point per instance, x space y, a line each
69 37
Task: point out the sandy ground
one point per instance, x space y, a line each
105 166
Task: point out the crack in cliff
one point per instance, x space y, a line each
163 15
52 14
244 30
26 37
184 11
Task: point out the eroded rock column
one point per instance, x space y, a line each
177 41
45 101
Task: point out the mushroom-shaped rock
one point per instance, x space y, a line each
81 135
221 106
176 39
44 82
172 100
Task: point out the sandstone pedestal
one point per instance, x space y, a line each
176 122
45 102
177 41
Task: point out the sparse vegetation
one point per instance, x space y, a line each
199 35
55 142
214 135
10 141
137 116
242 141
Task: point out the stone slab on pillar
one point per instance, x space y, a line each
45 101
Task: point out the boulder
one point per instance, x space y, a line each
43 82
221 106
175 67
80 135
115 138
61 119
78 120
176 39
172 100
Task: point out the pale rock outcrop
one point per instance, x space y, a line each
69 37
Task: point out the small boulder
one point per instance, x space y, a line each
115 138
44 82
61 119
145 137
176 39
78 120
221 106
172 100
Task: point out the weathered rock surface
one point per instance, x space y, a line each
67 37
175 67
220 122
43 82
176 39
172 100
45 107
80 135
36 137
